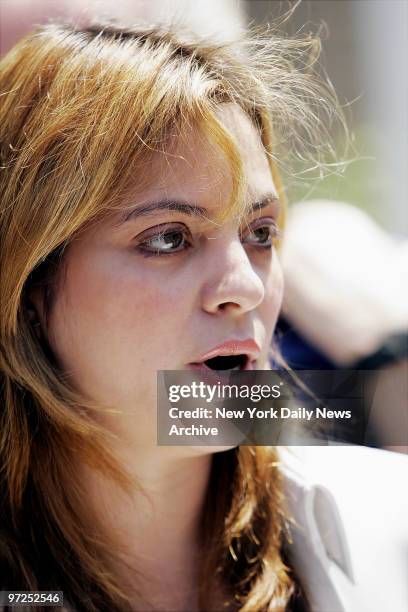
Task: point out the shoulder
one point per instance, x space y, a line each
350 531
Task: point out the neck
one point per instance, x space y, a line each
159 526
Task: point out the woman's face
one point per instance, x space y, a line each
159 289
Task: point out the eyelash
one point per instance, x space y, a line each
168 231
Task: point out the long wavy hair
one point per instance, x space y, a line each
82 112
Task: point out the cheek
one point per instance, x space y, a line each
114 322
274 286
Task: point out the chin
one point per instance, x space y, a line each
198 451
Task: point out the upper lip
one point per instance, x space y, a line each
246 347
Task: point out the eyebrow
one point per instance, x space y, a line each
187 208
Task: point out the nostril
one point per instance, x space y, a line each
229 305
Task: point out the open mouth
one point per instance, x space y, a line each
225 362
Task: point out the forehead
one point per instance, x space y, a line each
196 169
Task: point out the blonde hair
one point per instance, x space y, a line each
81 110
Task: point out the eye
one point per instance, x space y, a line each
261 233
164 240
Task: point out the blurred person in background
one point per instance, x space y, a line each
346 306
219 18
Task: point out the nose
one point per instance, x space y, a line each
231 282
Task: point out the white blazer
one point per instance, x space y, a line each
350 544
